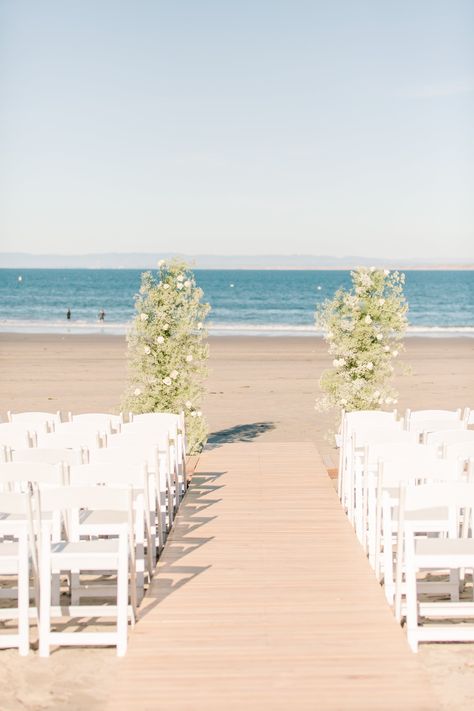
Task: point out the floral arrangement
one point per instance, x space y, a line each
167 352
363 327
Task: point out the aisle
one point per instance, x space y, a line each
264 600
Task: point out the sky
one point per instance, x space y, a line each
237 127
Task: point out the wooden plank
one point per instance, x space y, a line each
263 598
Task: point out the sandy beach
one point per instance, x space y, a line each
258 387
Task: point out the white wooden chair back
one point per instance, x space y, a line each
101 421
40 421
16 436
449 436
50 456
70 440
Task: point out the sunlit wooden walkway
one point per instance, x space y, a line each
264 600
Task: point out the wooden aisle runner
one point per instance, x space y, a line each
264 600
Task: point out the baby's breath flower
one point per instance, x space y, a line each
169 330
368 319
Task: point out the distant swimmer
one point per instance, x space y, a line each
101 315
20 278
68 314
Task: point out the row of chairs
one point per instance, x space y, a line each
387 466
86 504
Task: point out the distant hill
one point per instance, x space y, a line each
148 260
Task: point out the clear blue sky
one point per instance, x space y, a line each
238 126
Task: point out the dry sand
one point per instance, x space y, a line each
258 387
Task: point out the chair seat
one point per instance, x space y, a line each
95 518
91 555
444 552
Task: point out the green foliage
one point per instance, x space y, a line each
363 327
167 352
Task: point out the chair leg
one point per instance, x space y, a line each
45 598
23 599
122 597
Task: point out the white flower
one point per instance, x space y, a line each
189 358
381 302
189 404
368 319
147 350
143 317
386 272
167 381
386 349
372 269
200 325
166 286
343 401
161 262
137 392
160 339
369 366
187 283
174 374
199 413
329 335
338 362
179 286
394 353
379 336
166 326
376 395
193 413
180 277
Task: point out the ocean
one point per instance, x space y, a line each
250 302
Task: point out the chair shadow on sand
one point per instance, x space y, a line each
239 433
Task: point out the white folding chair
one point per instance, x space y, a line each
158 453
177 428
350 423
361 438
157 483
420 469
104 523
110 554
452 553
400 453
15 561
